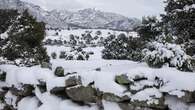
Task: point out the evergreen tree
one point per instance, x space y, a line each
180 18
24 40
7 17
149 29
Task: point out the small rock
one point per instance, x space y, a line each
91 53
98 69
122 80
139 78
59 71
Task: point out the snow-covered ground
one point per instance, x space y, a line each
175 81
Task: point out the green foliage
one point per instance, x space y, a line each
123 47
149 28
180 17
7 18
25 36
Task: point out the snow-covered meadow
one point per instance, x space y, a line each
103 73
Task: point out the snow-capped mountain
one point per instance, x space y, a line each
86 18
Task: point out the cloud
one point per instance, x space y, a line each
130 8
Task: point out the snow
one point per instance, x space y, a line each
174 80
104 79
4 35
25 75
10 99
28 103
189 7
110 106
176 104
173 52
148 95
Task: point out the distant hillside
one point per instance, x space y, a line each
86 18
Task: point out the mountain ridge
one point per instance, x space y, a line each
64 19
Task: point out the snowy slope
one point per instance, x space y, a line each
175 82
104 80
87 18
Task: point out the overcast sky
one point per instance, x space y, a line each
129 8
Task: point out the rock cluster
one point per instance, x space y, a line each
88 95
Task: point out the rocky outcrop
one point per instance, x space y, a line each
142 93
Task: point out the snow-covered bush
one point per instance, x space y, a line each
53 55
74 54
62 55
159 54
123 47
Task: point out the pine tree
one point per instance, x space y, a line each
180 18
6 19
24 40
149 28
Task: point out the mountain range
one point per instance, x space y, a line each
63 19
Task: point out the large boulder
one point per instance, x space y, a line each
59 71
82 94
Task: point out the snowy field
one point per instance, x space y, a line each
176 82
